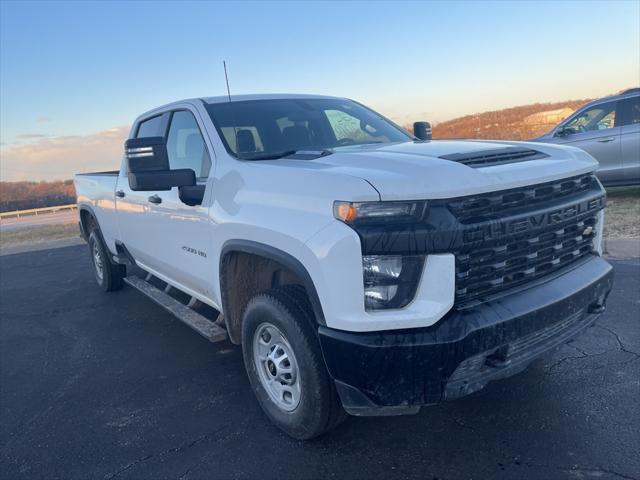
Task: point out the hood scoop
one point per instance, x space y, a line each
498 156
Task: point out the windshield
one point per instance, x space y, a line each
262 129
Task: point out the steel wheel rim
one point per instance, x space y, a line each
277 367
97 262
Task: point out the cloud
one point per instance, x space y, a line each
59 158
32 136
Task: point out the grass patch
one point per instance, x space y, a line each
39 234
622 217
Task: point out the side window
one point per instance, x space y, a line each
152 127
185 145
599 117
629 111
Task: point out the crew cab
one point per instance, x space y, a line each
362 269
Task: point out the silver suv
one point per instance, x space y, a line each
608 129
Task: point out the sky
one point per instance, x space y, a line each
74 75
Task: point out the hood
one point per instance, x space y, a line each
413 170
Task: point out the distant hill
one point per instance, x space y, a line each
515 123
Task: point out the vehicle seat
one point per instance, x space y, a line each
246 142
295 137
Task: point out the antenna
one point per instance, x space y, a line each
235 126
226 77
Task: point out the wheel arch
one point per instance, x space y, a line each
232 306
88 219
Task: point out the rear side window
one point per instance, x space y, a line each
629 111
185 145
154 127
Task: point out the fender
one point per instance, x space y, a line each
272 253
85 234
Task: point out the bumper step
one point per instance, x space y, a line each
205 327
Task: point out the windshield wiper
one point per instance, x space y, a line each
267 156
299 154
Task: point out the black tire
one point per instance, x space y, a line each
108 275
288 310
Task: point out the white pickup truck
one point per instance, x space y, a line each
362 269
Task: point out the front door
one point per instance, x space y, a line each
596 131
168 237
136 219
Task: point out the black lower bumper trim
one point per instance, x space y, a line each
402 369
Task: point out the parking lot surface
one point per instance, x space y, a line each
97 385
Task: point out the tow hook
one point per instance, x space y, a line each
498 358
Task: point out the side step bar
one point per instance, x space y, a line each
199 323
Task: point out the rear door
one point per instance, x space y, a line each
596 131
629 109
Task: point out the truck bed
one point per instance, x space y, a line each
97 192
106 174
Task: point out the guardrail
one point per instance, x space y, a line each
37 211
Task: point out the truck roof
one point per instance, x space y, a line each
261 96
234 98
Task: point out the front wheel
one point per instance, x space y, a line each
285 366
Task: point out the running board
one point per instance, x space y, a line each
199 323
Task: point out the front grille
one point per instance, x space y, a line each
491 206
509 251
499 156
506 264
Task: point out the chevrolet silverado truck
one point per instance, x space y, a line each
363 270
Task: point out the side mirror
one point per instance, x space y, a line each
422 130
161 179
561 132
148 166
146 154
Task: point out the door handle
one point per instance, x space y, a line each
608 139
155 199
119 194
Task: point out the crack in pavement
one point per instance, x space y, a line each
584 354
179 448
620 344
596 471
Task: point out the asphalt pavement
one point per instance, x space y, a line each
97 385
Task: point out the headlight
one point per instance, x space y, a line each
390 281
379 212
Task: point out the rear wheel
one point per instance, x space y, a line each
285 366
108 274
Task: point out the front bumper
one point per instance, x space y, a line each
397 372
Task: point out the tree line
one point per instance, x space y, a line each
26 195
